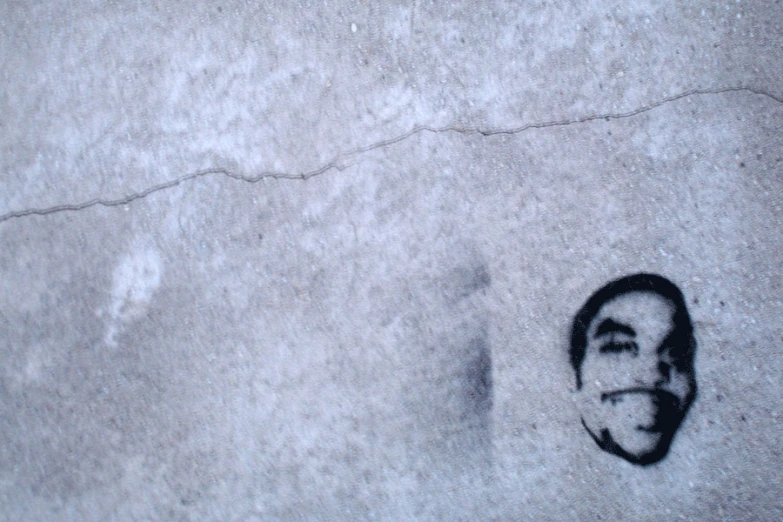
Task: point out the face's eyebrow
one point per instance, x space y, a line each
608 326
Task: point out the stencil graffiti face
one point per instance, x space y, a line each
635 376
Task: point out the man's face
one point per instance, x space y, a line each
636 387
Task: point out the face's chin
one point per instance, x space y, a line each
635 424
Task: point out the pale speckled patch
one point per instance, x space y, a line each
135 280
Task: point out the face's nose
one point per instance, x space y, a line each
650 371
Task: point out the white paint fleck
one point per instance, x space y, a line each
134 282
354 28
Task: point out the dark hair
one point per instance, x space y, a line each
683 327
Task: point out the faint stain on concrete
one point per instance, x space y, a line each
134 282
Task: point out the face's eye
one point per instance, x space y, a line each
619 347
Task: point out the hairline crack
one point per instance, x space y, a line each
338 162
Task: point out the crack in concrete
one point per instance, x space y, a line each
338 162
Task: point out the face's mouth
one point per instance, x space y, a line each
667 407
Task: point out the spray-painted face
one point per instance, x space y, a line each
637 377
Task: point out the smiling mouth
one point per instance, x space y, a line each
663 397
668 406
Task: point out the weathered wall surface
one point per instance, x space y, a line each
315 261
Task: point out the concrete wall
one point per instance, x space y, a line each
318 261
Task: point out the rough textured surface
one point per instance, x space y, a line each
318 261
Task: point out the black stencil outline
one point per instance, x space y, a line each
682 336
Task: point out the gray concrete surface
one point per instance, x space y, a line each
318 261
